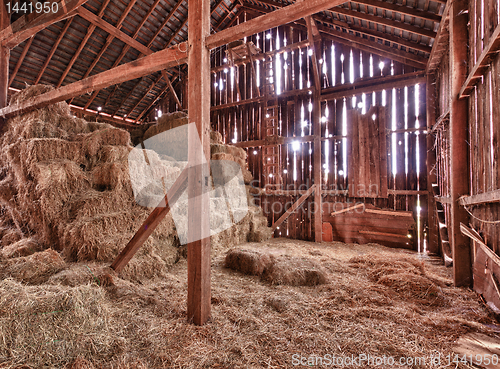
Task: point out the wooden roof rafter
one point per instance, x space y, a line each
89 33
29 25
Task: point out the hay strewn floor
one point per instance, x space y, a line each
377 301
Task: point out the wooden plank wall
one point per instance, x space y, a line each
484 127
241 122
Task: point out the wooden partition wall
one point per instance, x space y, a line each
237 111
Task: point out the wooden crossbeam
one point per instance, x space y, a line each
483 62
294 207
153 220
472 234
113 31
163 59
480 198
30 24
366 44
373 84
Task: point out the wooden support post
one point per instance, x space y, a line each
433 245
318 217
198 299
461 250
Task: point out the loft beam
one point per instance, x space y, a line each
163 59
373 85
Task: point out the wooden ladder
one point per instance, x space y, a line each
271 151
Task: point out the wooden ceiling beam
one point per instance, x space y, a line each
159 60
20 60
350 26
401 9
440 46
375 47
109 39
164 23
53 49
223 19
30 24
145 111
146 51
273 19
130 92
384 21
112 30
83 43
140 100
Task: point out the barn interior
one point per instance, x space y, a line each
249 184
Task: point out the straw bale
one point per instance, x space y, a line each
218 149
94 141
295 271
248 261
78 274
47 326
96 238
237 152
247 176
23 247
109 153
215 137
35 268
11 235
222 156
90 203
112 176
48 149
165 123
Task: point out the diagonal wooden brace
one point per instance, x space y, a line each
151 222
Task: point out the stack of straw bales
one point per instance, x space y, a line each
65 185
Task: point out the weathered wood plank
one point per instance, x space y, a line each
294 207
